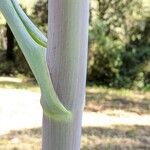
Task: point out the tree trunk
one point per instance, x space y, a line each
67 62
10 44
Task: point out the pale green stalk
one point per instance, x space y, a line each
67 61
35 33
33 43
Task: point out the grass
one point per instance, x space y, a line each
19 82
93 138
112 102
100 99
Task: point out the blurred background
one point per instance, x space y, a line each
119 41
118 78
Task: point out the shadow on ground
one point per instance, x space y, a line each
114 138
101 100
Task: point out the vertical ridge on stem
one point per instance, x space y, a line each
67 62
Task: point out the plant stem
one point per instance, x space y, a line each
67 62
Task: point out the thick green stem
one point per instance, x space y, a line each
31 41
67 62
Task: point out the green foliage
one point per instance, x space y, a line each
119 46
21 64
40 14
7 68
105 55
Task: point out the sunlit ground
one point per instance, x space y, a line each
113 119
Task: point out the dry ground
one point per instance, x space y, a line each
124 120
